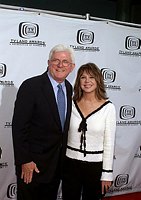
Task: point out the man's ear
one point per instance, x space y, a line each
72 66
48 62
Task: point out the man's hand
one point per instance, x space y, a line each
27 171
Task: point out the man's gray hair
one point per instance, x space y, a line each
61 47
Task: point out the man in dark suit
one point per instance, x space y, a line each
39 139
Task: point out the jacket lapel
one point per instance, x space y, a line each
69 103
50 97
51 100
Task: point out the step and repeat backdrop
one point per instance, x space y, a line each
26 38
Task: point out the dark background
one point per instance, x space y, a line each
120 10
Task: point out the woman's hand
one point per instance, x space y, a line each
105 186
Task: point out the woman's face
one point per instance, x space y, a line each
87 82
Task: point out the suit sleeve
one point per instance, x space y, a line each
23 110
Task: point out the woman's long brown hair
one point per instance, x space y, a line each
93 70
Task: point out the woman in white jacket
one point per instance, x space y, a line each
89 157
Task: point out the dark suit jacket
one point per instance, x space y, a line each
36 127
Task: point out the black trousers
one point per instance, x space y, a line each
81 179
37 191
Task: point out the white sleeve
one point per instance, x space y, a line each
109 142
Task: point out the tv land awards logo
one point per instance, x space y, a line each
132 43
109 77
0 152
132 46
85 40
27 31
121 183
127 113
85 37
121 180
12 191
2 164
8 125
3 72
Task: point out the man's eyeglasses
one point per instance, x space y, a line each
65 63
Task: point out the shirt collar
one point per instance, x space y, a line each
53 82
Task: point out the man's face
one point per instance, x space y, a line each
60 65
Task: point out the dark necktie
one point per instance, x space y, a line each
61 104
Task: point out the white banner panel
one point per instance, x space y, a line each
26 39
122 78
